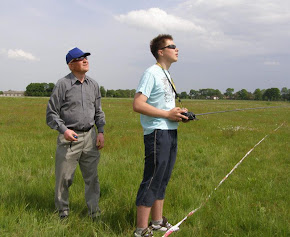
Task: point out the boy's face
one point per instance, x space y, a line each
169 54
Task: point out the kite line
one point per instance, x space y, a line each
176 227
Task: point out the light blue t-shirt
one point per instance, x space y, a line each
155 86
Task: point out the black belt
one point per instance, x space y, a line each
83 130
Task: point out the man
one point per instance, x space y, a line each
73 110
155 101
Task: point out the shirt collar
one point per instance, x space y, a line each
74 79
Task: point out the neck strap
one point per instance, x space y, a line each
171 83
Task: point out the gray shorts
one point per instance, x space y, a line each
160 156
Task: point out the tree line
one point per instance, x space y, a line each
117 93
271 94
45 89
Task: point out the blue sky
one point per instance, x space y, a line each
241 44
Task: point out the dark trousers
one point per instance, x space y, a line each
160 156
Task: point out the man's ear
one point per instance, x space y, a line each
160 53
70 65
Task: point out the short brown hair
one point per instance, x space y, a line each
158 42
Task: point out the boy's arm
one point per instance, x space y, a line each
140 106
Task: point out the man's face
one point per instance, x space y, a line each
169 53
79 65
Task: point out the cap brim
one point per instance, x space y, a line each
86 54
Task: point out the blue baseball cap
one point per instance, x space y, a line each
75 53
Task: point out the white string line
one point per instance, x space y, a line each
176 227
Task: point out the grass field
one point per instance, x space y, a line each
253 201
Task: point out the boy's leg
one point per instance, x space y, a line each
143 213
157 210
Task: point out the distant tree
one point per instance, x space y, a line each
39 89
103 91
229 93
285 93
1 93
242 95
258 94
183 95
217 93
250 96
208 93
288 95
42 89
127 93
193 94
272 94
202 93
118 93
132 93
110 93
49 88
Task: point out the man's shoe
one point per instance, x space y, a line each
63 215
95 218
145 233
164 226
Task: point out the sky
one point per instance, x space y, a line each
240 44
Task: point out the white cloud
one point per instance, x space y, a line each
242 27
157 19
21 55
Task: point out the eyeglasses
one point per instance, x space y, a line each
78 59
171 46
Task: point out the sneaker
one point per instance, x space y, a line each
63 215
162 227
145 233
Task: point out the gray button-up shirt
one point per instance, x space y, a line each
75 105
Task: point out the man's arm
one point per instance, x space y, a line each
99 119
99 113
140 106
53 119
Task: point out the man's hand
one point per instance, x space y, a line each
100 141
175 114
69 135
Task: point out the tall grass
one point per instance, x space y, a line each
253 201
